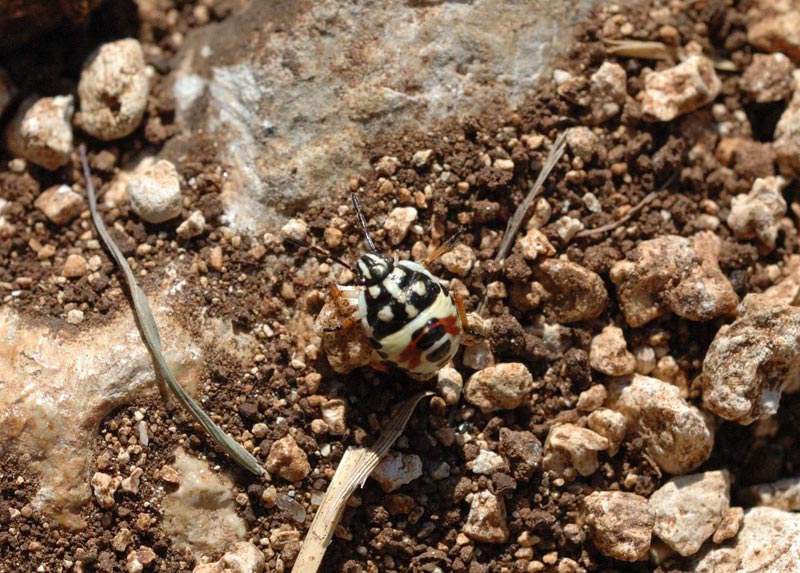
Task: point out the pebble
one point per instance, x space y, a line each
192 226
398 223
459 260
534 244
387 166
679 90
422 157
288 460
567 227
46 132
772 27
620 524
500 387
60 204
591 399
677 436
113 90
744 370
295 229
689 509
782 494
169 474
574 293
488 462
568 445
478 356
75 267
131 483
786 140
521 445
768 78
449 384
582 142
611 425
396 470
645 359
729 526
155 192
139 559
608 353
672 273
122 539
758 214
608 88
334 413
486 522
104 487
75 316
347 348
242 557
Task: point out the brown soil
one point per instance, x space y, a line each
629 163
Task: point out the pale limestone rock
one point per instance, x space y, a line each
449 384
574 293
200 516
59 436
757 214
347 347
295 229
192 226
567 227
122 539
592 398
752 360
288 460
486 522
608 353
768 78
608 88
534 244
611 425
139 559
478 356
398 223
104 487
131 483
422 157
75 267
568 445
645 359
673 273
334 412
113 90
768 542
75 316
783 494
582 142
242 557
681 89
46 132
499 387
730 525
620 524
459 260
772 26
155 192
60 204
677 435
396 470
688 509
488 462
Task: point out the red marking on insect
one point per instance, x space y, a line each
412 356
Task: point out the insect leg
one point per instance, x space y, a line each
462 316
444 247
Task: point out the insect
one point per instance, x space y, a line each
411 319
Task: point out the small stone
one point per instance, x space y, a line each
288 460
396 470
676 434
772 27
139 559
609 354
567 227
269 497
216 261
757 214
568 445
499 387
60 204
787 133
46 131
449 384
611 425
155 192
75 267
295 229
574 293
729 526
459 260
582 142
782 494
488 462
333 237
122 539
398 223
620 524
75 316
591 399
131 483
422 157
334 412
679 90
645 359
534 244
104 487
243 557
170 475
346 348
387 166
486 522
608 88
478 356
192 226
259 430
113 90
688 509
504 164
768 78
522 446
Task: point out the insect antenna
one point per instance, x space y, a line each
319 251
363 222
444 247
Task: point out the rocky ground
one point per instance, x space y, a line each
635 405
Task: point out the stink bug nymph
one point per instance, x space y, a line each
411 319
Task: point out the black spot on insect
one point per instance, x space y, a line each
440 352
427 336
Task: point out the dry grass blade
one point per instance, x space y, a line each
353 471
611 226
642 50
151 339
